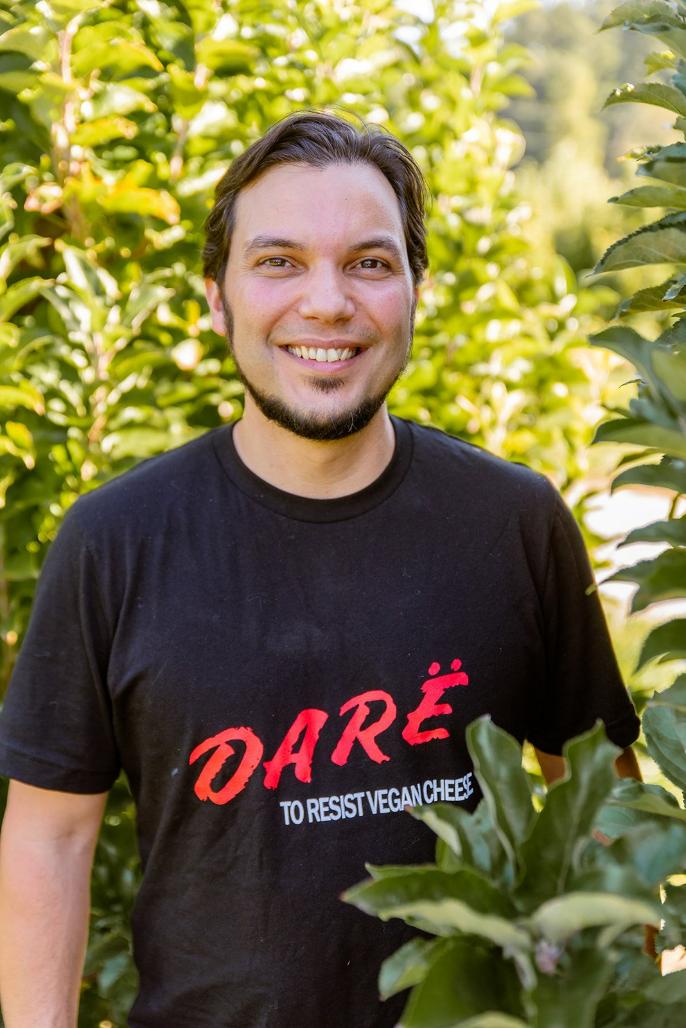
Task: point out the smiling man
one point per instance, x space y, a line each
281 631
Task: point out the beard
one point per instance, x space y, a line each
307 425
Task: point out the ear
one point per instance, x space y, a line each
214 300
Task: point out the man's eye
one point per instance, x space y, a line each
372 264
274 262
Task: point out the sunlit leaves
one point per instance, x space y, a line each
561 926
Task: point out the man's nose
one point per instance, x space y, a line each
326 295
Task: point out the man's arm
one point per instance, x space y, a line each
46 853
554 767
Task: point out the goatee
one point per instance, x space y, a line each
324 428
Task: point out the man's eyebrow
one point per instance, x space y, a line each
379 243
272 242
280 242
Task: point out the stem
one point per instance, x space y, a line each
673 506
9 652
66 165
202 74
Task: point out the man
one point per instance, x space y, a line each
281 630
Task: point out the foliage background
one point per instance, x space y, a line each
116 121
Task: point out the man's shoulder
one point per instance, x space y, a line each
148 489
465 466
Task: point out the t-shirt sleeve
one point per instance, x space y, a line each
56 726
582 682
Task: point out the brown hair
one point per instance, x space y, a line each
318 139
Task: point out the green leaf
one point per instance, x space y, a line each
672 531
639 12
656 93
661 578
187 98
454 826
16 73
662 242
117 98
121 56
226 56
675 696
570 998
461 984
646 798
666 297
505 784
461 900
25 395
104 130
19 295
668 474
20 435
642 433
34 41
493 1019
138 441
126 198
654 850
666 163
666 641
562 917
670 988
633 347
653 196
665 732
407 966
568 817
15 252
658 61
670 365
673 930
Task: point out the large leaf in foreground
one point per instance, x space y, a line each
505 785
670 473
408 965
462 900
570 998
665 731
562 917
568 817
667 641
663 242
464 982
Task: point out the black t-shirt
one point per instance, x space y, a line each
279 677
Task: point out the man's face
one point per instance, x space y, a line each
318 298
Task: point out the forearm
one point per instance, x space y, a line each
555 767
44 903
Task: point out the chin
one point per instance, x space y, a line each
324 426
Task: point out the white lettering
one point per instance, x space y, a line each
373 801
394 800
312 809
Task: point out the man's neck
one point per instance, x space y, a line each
309 467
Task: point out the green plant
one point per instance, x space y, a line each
530 920
654 420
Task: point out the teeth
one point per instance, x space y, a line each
321 354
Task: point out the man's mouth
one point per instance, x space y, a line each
324 355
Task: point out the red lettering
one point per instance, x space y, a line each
221 744
308 723
433 689
365 736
